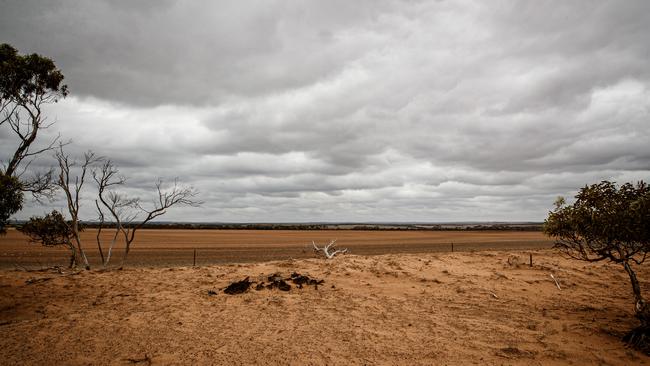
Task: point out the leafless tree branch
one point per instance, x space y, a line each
125 210
73 190
326 249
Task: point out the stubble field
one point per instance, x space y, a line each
176 247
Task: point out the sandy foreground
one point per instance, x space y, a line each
409 309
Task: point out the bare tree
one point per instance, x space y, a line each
115 203
173 196
118 205
125 211
327 249
72 186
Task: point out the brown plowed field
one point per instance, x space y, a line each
176 247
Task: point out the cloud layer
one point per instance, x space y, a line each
352 111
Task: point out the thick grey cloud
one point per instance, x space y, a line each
191 52
365 111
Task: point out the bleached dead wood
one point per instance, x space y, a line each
556 283
326 249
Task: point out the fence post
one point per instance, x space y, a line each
194 262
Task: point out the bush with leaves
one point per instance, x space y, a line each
51 230
608 222
11 199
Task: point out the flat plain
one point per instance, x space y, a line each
166 247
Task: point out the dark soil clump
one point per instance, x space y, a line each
238 287
300 280
275 281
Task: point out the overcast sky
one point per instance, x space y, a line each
286 111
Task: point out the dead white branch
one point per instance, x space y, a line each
556 283
326 249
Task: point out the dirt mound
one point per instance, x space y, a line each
454 309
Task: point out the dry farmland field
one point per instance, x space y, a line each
166 247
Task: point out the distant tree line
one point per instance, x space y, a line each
314 227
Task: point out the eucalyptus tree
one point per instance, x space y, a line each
608 223
27 84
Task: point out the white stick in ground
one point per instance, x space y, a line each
326 249
556 283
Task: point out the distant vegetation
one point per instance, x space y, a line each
330 226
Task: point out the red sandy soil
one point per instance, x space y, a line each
176 247
485 308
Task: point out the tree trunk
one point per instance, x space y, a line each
27 140
75 230
99 246
126 253
638 337
110 248
642 311
73 255
82 254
